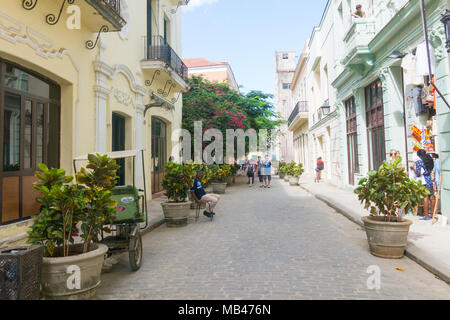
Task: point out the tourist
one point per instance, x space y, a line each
394 154
251 173
267 171
260 166
423 169
320 165
200 195
358 13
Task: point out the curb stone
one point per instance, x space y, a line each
416 254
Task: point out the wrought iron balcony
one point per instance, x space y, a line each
157 48
300 107
109 10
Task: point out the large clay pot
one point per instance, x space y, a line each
293 181
229 181
387 239
281 175
59 274
219 187
286 178
176 213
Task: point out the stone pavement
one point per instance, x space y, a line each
428 244
278 243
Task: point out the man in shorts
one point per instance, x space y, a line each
200 195
267 171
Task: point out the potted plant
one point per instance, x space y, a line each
289 169
219 174
177 183
234 171
296 172
386 193
64 206
282 170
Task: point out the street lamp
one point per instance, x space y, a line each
325 109
446 21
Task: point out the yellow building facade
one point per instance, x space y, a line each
84 76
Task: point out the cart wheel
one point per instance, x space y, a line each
135 253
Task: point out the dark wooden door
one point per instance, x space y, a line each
159 154
352 140
118 144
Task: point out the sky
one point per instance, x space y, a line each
246 34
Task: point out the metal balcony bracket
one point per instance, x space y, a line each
176 100
169 84
90 44
51 19
29 4
149 83
152 105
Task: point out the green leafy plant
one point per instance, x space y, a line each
388 190
282 167
61 210
64 205
290 167
98 178
178 181
298 170
219 173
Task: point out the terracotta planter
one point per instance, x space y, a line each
55 279
176 214
293 181
219 187
387 239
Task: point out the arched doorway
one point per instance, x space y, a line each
159 153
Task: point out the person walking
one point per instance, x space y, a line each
423 169
251 173
260 166
267 168
320 165
200 195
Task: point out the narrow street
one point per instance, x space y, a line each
278 243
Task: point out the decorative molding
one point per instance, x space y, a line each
437 40
383 74
14 36
111 71
122 97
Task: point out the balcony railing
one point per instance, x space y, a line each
157 48
113 4
301 106
110 10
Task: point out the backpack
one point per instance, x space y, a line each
320 166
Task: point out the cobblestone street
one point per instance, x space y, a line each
278 243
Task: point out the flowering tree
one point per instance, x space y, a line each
218 106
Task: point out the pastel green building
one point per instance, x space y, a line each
382 77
